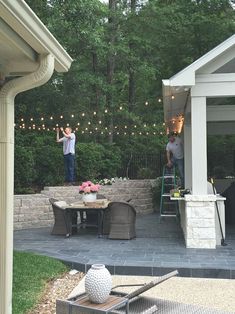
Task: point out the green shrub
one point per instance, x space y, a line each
96 161
145 173
24 171
156 191
49 165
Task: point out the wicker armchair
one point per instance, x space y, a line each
63 219
122 220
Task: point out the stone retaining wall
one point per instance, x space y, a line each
34 210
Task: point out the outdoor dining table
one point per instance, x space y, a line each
98 206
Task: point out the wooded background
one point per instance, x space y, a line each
112 95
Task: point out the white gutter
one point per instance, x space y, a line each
7 95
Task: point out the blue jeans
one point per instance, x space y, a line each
69 165
179 163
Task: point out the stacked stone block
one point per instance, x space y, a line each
34 210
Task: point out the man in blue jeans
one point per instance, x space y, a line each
175 154
68 141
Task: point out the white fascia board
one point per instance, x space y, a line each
9 35
18 15
187 75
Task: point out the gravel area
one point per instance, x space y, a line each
59 288
213 293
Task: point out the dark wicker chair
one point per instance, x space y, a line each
122 220
63 219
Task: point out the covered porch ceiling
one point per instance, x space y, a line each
23 37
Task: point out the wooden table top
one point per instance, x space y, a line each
102 203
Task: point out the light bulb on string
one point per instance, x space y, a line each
83 114
61 117
72 115
146 103
106 110
51 118
159 100
94 113
31 119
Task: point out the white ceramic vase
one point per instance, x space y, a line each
98 283
89 197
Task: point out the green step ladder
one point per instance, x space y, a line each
168 207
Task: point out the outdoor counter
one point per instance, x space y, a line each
199 219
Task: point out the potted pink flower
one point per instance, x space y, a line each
89 191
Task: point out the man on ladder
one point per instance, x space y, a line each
175 155
175 158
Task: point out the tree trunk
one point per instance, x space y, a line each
111 63
131 96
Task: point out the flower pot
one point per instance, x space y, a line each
89 197
98 283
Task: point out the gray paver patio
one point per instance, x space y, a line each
157 249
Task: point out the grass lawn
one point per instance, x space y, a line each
30 274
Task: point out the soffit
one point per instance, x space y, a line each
31 36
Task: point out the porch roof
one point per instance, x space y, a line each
218 64
23 37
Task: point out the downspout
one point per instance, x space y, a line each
7 96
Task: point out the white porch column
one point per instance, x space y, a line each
7 96
199 146
187 155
